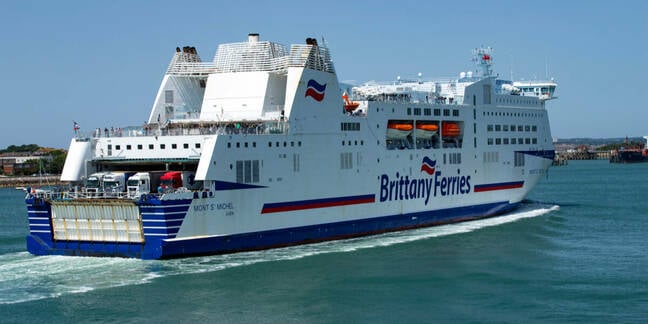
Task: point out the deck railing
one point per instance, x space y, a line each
183 129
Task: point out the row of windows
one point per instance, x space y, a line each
506 141
152 146
453 158
247 171
285 144
437 112
519 159
528 101
535 89
346 160
349 143
491 157
168 96
296 164
511 114
506 128
253 144
350 126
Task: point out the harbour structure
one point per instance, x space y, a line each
629 154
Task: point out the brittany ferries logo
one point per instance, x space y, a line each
404 188
315 90
428 165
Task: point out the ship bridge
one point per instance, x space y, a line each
544 90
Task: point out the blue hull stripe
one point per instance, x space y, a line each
317 203
162 209
547 154
39 221
167 211
170 223
224 185
156 247
498 186
162 218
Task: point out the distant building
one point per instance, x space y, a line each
13 163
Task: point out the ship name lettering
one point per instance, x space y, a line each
225 205
404 188
199 208
216 206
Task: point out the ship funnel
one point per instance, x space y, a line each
253 38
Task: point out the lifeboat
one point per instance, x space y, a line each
398 130
450 129
349 106
426 130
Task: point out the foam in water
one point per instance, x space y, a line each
24 277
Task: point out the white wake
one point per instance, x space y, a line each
24 277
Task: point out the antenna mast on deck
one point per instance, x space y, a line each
483 58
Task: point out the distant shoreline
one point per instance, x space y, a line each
26 181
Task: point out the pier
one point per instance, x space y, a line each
12 182
583 155
562 157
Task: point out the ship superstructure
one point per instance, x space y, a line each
262 147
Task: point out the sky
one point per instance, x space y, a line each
100 63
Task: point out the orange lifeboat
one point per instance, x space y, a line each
398 130
450 129
426 130
349 106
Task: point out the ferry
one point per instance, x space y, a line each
263 147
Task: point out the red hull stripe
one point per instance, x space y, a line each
317 203
498 186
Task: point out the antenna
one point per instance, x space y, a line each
482 57
511 62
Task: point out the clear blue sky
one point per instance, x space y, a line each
101 62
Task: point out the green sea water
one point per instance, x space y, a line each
577 251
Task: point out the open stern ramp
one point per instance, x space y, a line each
109 220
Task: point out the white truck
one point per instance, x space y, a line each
114 183
94 183
143 183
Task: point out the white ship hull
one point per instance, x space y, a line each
329 176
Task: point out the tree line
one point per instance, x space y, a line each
27 148
618 146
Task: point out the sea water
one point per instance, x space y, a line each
576 250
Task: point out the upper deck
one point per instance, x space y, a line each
453 91
245 81
253 56
261 88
